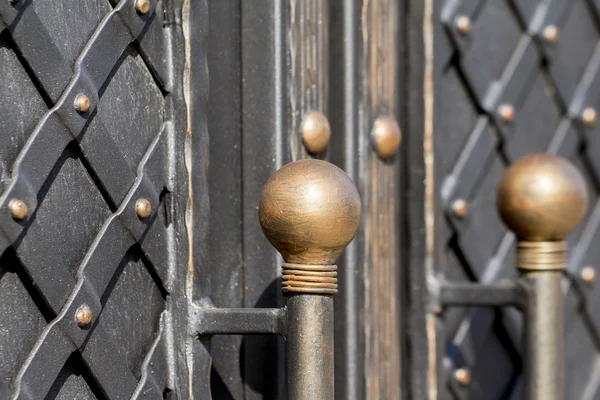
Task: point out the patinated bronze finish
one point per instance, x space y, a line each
316 132
310 210
542 197
386 137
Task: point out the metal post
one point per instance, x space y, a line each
543 337
310 347
310 211
542 198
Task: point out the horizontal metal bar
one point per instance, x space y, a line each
476 294
241 321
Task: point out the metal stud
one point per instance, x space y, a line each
463 376
83 316
143 208
18 208
588 116
82 103
463 24
316 132
507 112
460 208
550 34
143 6
386 137
588 275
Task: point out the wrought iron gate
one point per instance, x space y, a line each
129 190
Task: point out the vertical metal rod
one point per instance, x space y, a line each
310 347
543 337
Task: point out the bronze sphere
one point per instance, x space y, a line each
542 197
316 132
310 211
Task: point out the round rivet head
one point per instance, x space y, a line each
463 24
83 316
143 208
550 34
310 211
460 208
507 112
386 137
588 116
82 103
143 6
588 275
316 132
463 376
18 209
542 197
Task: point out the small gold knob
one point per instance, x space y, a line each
460 208
542 197
143 208
82 103
310 211
83 316
316 132
463 376
588 116
386 137
507 112
550 34
463 24
588 275
17 208
143 6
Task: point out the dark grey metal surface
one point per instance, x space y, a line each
80 176
505 59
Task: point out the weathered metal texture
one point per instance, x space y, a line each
496 100
543 337
310 346
91 126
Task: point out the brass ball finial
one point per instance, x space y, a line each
542 197
310 211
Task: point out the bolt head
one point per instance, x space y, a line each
83 316
542 197
386 137
143 208
463 25
460 208
507 112
463 376
550 34
82 103
588 116
143 6
17 208
316 132
588 275
310 211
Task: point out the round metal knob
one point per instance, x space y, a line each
542 197
310 211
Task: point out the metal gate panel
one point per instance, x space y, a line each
510 78
89 272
